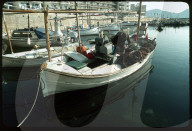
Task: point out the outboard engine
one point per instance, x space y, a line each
103 50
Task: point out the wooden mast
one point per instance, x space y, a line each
78 26
28 22
138 26
10 45
47 33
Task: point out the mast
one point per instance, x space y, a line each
78 25
87 15
138 26
47 33
28 22
10 45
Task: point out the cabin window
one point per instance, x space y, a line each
22 34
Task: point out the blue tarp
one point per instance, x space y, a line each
40 32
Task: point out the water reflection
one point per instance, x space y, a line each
163 102
90 107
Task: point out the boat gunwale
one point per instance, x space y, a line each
98 75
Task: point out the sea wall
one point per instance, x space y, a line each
20 21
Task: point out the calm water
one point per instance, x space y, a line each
157 99
167 93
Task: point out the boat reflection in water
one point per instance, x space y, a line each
91 107
115 104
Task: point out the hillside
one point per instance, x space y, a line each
166 14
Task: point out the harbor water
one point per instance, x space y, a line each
157 98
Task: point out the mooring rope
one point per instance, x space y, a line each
33 103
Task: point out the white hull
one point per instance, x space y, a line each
53 82
111 28
89 32
23 42
34 57
127 24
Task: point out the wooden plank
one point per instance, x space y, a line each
66 11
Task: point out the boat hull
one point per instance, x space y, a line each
111 28
34 58
89 32
23 42
53 83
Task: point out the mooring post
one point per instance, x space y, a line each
10 45
47 33
138 26
78 26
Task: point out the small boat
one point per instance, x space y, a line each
110 30
127 23
86 30
34 57
159 27
77 72
20 37
90 32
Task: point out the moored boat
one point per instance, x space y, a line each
34 57
110 30
127 23
20 37
78 72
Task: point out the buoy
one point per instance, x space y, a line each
29 41
82 51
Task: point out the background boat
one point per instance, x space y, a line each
28 38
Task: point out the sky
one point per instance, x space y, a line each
175 7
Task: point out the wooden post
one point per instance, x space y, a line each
78 25
51 26
8 35
87 15
47 33
138 26
28 22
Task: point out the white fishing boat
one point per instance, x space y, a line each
78 72
127 23
87 31
110 30
90 32
34 57
27 38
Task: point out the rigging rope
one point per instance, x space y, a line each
32 105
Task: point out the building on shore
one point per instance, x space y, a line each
122 6
135 8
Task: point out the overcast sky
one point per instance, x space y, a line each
175 7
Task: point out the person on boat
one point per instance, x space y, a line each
119 41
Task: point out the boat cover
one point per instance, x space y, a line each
76 64
40 32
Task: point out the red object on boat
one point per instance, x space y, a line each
146 37
82 51
90 55
135 38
